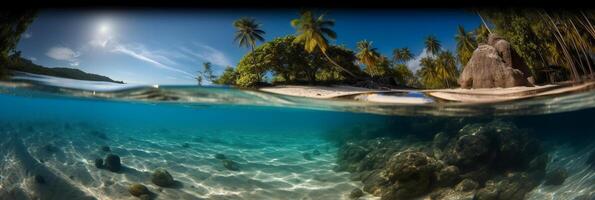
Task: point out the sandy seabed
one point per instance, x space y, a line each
272 166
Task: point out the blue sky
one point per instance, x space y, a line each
169 47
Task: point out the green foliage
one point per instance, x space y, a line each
227 78
13 24
432 45
289 62
545 38
312 33
438 73
404 76
402 55
466 44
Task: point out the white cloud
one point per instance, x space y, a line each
208 54
141 53
413 64
64 54
27 35
32 58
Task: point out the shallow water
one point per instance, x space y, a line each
57 133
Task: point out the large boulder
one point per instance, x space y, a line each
495 64
412 174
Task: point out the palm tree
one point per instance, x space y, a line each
465 45
314 31
445 67
402 55
248 33
367 54
427 72
432 45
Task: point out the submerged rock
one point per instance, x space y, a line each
112 163
138 189
186 145
447 176
220 156
316 152
161 177
39 179
99 163
230 165
105 148
356 193
412 174
466 185
307 156
556 177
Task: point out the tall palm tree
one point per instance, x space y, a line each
432 45
314 31
445 67
367 54
402 55
427 72
248 33
465 45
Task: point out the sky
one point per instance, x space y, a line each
168 47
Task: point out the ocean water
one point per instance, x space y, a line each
281 147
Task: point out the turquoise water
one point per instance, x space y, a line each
282 148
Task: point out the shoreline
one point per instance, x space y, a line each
484 95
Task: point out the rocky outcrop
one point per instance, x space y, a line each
495 64
493 161
161 177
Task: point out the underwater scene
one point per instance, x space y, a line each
59 144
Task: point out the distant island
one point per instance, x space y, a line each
25 65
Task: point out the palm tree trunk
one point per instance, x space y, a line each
337 65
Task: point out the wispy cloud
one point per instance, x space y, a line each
208 54
27 35
141 53
64 54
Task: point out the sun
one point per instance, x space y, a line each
104 28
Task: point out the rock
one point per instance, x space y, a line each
316 152
447 176
515 186
39 179
374 183
137 190
230 165
495 64
186 145
466 185
50 148
356 193
105 148
450 194
489 192
556 177
161 177
99 163
411 173
220 156
498 145
307 156
438 143
112 163
145 197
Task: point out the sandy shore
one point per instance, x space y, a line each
487 95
